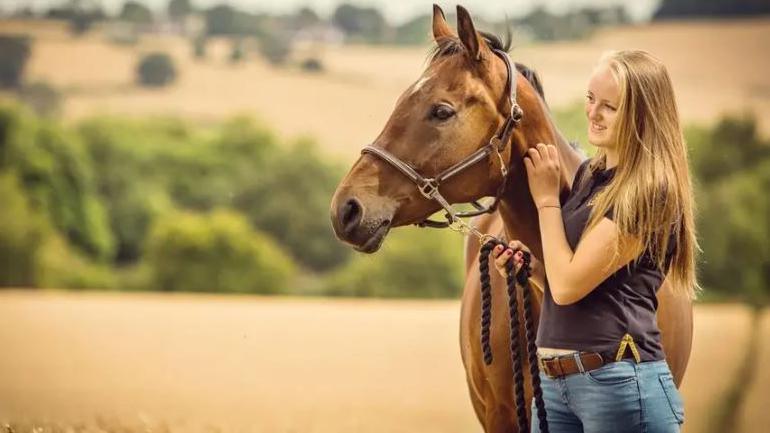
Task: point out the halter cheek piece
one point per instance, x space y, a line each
429 186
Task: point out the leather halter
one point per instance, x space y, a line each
429 186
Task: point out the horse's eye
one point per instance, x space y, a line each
442 112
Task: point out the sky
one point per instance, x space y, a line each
396 11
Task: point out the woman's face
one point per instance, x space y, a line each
601 107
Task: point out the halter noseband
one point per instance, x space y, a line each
429 186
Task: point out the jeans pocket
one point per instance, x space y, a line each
614 373
673 396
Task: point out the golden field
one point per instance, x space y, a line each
717 67
207 363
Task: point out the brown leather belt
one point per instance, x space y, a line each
563 365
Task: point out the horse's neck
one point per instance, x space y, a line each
516 206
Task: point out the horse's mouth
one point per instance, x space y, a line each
375 241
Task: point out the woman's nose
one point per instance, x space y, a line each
593 113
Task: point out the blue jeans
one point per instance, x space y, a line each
618 397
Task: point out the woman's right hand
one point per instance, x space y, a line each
501 256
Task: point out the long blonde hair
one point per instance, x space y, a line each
651 193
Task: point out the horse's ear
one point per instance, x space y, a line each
473 42
440 27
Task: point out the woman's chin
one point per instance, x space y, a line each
597 140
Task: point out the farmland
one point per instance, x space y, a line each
160 362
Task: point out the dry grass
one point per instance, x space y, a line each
716 67
98 362
719 343
755 418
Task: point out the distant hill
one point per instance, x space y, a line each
671 9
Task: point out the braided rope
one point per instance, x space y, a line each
486 318
486 301
534 370
518 373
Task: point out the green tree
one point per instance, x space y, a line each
731 164
305 17
362 23
135 12
289 198
56 175
178 9
42 98
156 70
218 252
415 31
133 177
199 47
413 263
276 48
225 20
671 9
22 233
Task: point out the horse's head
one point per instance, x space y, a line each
461 101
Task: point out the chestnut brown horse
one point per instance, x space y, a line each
452 111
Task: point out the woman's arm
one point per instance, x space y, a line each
572 276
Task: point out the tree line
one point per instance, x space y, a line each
162 204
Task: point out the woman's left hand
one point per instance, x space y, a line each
543 174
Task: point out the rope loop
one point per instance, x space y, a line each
522 278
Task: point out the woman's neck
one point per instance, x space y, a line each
611 158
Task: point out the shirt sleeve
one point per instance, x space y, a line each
579 172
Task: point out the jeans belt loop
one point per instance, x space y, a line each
579 362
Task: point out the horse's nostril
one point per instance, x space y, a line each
350 216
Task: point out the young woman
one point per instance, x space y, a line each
627 224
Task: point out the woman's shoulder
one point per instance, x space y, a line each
579 173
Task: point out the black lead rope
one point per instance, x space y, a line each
486 318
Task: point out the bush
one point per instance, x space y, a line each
275 48
413 263
135 12
22 233
217 252
732 169
42 98
178 9
289 199
14 52
199 47
56 175
312 65
226 20
156 70
133 176
63 268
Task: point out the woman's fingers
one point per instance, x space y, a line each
512 252
534 154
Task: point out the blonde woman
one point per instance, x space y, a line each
627 224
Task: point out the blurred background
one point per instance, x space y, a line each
166 169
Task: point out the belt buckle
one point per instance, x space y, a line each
544 368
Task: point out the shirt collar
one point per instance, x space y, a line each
604 175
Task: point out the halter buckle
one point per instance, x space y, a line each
497 143
516 112
428 188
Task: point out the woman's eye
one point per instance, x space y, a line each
442 112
